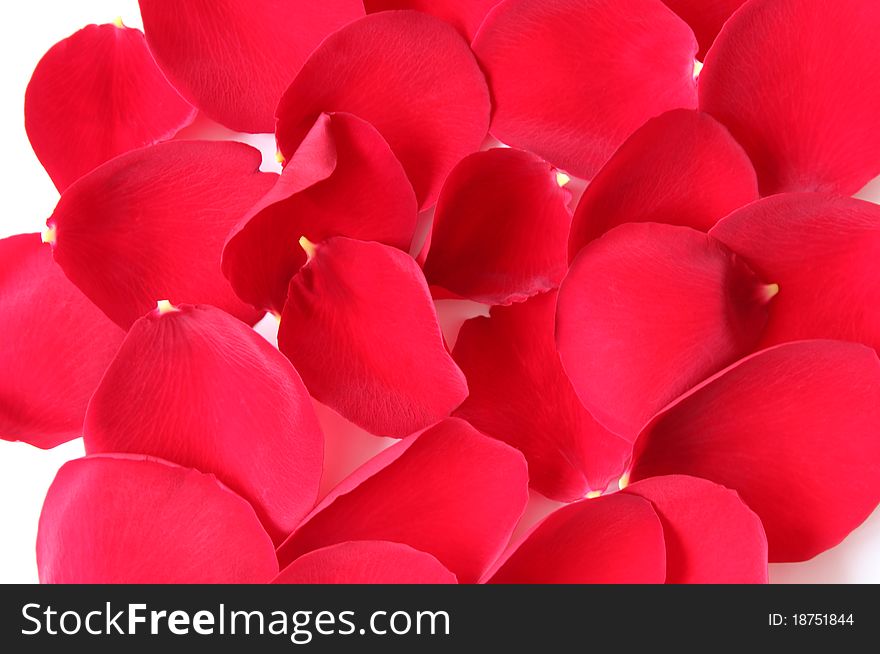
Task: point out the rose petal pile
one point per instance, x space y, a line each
679 299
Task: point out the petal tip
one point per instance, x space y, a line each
164 307
49 235
308 247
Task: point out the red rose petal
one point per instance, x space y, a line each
706 17
233 59
793 430
95 95
462 511
360 327
118 519
519 393
56 346
197 387
572 79
366 562
343 181
681 168
712 537
613 539
788 78
822 252
465 15
410 75
500 228
648 311
150 225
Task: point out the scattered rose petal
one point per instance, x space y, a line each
706 17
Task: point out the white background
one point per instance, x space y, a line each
27 30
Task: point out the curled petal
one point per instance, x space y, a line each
119 519
95 95
500 228
465 15
647 312
787 77
681 168
195 386
519 393
233 59
360 328
342 181
706 18
56 346
613 539
408 74
462 512
150 225
712 537
837 293
572 79
366 562
793 429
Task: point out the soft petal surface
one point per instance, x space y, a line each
681 168
793 429
233 59
412 76
360 327
122 520
572 79
462 511
789 78
150 225
195 386
56 346
706 18
822 251
500 228
343 181
712 537
613 539
649 311
95 95
366 562
465 15
519 393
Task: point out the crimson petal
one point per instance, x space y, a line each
793 429
462 512
366 562
519 393
233 59
647 312
681 168
500 228
342 181
361 329
120 519
465 15
572 79
151 224
95 95
706 18
410 75
788 78
56 346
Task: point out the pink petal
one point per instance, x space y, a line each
648 311
410 75
95 95
150 225
233 59
793 430
360 327
500 228
572 79
788 77
450 492
116 519
465 15
706 17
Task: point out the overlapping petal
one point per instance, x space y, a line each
233 59
706 18
117 519
411 76
465 15
95 95
150 225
